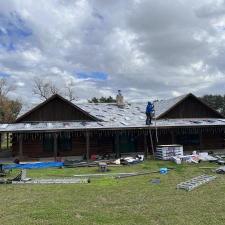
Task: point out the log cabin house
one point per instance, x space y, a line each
60 127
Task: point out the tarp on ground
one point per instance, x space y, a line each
38 165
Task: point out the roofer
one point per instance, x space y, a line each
149 113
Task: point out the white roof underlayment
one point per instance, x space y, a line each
69 126
109 111
113 117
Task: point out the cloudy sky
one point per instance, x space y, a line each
147 48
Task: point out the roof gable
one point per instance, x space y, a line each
56 108
188 106
163 106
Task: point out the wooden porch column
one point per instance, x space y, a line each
117 144
87 145
20 146
173 137
151 140
145 146
200 140
55 136
7 141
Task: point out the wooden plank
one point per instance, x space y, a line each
54 181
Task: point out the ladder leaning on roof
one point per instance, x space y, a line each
151 112
156 135
156 130
150 135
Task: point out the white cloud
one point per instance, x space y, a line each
149 49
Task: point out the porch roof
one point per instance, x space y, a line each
111 125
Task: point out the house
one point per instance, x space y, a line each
60 127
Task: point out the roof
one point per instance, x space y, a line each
110 111
110 116
71 126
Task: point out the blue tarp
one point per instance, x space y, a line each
37 165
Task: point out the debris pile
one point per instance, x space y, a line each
121 161
194 158
129 160
220 170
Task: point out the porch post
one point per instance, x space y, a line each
117 145
55 145
200 140
0 141
7 141
87 146
20 146
173 137
152 145
145 146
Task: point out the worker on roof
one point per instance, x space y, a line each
149 113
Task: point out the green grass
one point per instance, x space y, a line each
130 201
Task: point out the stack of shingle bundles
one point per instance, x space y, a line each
165 152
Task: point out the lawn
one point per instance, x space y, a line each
133 200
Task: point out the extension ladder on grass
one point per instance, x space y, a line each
195 182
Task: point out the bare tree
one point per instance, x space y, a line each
45 89
69 92
5 88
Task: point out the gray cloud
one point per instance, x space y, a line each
149 49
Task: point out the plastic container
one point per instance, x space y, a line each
163 171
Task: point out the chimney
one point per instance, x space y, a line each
119 99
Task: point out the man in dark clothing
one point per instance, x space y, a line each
149 113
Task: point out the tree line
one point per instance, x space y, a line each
9 108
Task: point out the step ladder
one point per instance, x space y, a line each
195 182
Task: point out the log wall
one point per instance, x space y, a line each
106 144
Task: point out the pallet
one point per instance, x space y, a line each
195 182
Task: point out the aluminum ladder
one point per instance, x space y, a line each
195 182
